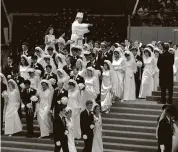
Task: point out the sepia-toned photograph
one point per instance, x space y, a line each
89 76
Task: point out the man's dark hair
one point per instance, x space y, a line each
25 43
50 48
27 82
88 102
34 57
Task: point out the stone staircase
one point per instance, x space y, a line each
130 127
156 95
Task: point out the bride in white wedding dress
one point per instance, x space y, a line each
97 140
43 108
12 120
70 127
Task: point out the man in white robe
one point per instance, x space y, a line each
78 30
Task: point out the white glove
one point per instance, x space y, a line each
58 143
92 126
85 137
162 148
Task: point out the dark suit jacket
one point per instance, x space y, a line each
139 70
3 88
67 69
85 121
78 79
106 56
96 65
8 70
26 96
165 65
165 133
59 129
74 60
38 67
19 80
56 97
51 76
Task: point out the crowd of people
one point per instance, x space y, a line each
69 87
156 13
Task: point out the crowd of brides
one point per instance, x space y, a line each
83 79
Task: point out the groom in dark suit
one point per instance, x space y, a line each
87 126
26 94
60 130
165 65
59 93
3 88
166 131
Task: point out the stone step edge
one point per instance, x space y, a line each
105 143
33 150
4 138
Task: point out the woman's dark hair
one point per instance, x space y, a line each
26 62
49 66
49 28
71 84
50 48
74 67
94 108
105 63
13 85
45 83
149 53
127 55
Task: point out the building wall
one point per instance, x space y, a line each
148 34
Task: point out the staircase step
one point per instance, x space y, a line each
50 147
158 98
129 134
13 149
136 110
120 127
175 89
108 139
10 149
129 116
130 128
143 104
130 122
158 93
106 132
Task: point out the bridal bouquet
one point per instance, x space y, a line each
63 101
139 64
22 85
66 132
52 81
81 86
34 99
92 126
29 105
4 94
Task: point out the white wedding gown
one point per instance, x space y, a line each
70 136
74 103
106 86
147 78
97 140
129 81
43 113
91 89
12 120
118 77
